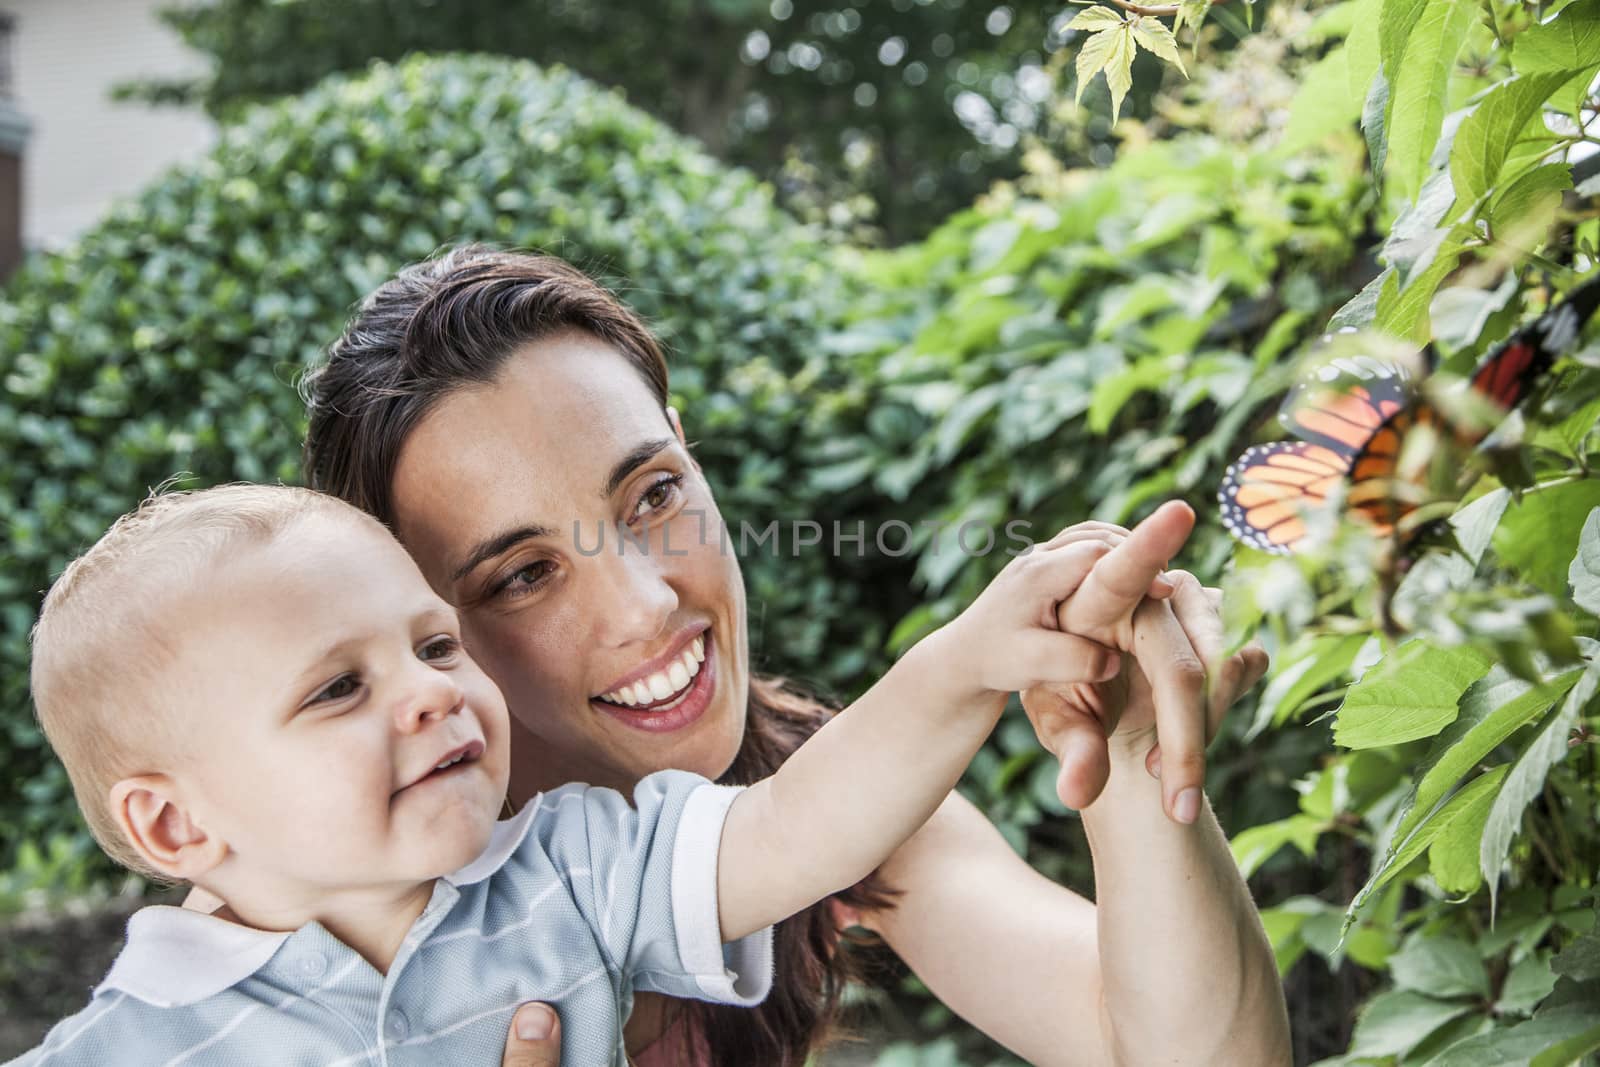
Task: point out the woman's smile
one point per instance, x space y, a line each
669 693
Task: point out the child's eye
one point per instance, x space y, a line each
660 495
338 689
440 649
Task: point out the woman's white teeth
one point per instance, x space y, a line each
664 683
451 762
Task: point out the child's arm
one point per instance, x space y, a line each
868 779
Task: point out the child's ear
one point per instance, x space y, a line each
149 811
677 428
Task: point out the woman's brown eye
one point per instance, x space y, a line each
531 574
659 495
524 579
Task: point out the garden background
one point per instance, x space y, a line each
908 267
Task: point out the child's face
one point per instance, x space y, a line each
321 693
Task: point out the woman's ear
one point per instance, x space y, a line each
149 811
677 428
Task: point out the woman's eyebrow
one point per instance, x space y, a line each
636 458
493 546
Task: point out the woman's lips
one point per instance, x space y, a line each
689 707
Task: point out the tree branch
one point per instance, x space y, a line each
1163 11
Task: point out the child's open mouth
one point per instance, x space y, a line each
451 763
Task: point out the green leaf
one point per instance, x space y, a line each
1311 664
1361 310
1191 13
1396 19
1580 960
1119 68
1515 1045
1466 803
1584 574
1411 693
1453 855
1528 205
1570 1051
1096 19
1486 136
1474 524
1374 115
1362 46
1393 1023
1153 35
1404 312
1441 966
1111 393
1526 779
1568 40
1322 103
959 424
1528 982
1539 534
1093 56
1256 845
1492 709
1420 87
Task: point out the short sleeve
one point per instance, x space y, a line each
651 885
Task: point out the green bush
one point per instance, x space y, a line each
170 337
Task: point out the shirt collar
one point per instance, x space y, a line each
503 841
178 956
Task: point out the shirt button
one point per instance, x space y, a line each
313 965
397 1026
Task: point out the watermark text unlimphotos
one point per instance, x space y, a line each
791 537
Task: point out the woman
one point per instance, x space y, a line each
503 413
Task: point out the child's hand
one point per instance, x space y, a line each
1178 692
1008 639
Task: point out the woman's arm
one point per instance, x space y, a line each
1171 967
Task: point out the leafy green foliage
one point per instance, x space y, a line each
828 100
1483 849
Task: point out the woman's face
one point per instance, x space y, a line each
618 656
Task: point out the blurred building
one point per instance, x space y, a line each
59 60
13 143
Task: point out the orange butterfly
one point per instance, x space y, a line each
1352 424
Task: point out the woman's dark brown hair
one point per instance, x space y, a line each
453 321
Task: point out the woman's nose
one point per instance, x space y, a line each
430 694
632 597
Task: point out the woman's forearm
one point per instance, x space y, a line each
1187 974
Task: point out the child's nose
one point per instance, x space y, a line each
432 695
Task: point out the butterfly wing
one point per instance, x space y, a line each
1345 403
1376 494
1508 372
1269 489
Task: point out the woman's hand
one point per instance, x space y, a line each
1175 688
1009 638
534 1038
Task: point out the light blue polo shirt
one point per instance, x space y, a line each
577 901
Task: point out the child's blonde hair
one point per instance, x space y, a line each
107 633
